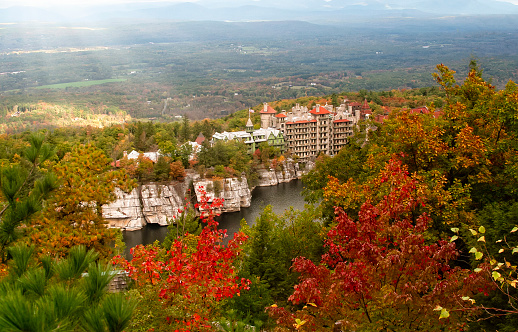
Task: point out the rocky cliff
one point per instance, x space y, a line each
235 192
147 204
283 172
156 203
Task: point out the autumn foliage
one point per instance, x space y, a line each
73 215
380 272
192 277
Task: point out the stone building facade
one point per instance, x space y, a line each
323 129
304 132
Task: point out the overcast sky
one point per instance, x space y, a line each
91 2
45 3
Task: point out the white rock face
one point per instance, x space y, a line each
235 192
288 171
160 203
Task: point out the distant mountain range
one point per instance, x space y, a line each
317 11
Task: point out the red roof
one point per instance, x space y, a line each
319 110
200 139
420 110
300 121
381 118
269 110
342 120
280 115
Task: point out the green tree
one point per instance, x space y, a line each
184 153
185 130
161 168
167 141
61 295
145 169
24 185
224 154
187 222
143 136
275 241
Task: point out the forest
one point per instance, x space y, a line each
413 228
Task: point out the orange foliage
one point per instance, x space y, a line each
73 215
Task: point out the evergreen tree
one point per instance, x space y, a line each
161 168
185 130
64 295
276 241
24 187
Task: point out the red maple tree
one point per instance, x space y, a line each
192 276
380 271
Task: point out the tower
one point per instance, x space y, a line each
249 125
267 116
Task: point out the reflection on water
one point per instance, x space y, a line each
147 235
280 197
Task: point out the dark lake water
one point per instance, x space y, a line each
280 197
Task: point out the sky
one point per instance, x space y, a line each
97 2
40 3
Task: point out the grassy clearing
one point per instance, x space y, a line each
80 84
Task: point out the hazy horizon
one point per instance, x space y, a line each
50 3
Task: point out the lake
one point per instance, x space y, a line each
280 197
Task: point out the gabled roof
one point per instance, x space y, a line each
133 154
200 139
268 110
342 120
365 104
319 110
280 115
425 110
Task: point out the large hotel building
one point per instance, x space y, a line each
304 132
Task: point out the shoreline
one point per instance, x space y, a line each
158 203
